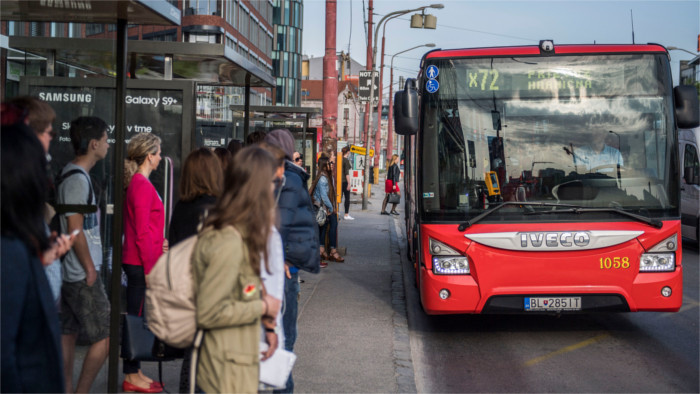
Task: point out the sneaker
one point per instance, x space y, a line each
348 217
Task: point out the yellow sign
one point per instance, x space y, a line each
361 151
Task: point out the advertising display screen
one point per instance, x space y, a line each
158 108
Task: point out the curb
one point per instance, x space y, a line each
403 363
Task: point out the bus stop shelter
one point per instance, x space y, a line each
279 117
159 59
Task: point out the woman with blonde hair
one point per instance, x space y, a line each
226 266
144 221
391 185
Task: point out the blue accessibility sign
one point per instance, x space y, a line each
432 72
432 86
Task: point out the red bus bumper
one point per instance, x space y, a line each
500 280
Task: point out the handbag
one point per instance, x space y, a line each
394 198
139 343
320 214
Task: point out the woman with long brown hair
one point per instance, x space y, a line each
201 181
323 192
226 266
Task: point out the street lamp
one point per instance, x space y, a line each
389 137
394 14
681 49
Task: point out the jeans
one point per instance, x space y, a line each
332 225
346 196
289 320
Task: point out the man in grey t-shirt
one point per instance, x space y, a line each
84 303
76 189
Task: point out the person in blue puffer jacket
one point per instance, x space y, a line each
299 235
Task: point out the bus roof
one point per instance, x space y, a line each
534 50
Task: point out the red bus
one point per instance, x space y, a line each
545 179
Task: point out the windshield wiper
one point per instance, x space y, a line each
647 220
476 219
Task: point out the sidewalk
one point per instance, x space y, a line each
352 324
353 335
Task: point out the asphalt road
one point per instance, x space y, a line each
614 352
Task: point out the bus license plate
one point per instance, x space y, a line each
552 303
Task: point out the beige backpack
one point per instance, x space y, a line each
170 308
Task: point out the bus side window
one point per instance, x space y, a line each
691 166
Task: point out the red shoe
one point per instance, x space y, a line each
132 388
324 264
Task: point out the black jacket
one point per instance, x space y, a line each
394 173
31 337
298 226
186 217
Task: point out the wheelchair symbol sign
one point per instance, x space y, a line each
432 86
432 72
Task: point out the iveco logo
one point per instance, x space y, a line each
555 240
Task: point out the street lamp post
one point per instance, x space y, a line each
681 49
377 133
371 91
389 137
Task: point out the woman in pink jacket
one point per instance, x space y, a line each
144 221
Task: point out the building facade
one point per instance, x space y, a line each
242 26
288 20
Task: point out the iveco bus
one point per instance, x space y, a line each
545 179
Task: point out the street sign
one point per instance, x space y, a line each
366 86
361 151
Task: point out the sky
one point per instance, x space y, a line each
468 24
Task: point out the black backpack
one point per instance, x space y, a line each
62 209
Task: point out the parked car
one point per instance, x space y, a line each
690 183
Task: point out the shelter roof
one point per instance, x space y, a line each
140 12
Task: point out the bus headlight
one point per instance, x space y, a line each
451 265
446 260
657 262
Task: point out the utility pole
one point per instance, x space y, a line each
329 139
390 126
368 106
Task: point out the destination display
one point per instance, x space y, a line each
579 76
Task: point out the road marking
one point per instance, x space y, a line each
567 349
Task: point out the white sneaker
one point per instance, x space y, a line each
348 217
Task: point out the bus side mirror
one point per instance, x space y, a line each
687 106
406 110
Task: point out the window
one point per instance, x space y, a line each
243 22
58 29
36 29
94 28
691 166
74 30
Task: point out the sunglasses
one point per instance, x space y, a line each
298 159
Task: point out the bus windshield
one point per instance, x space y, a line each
594 131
